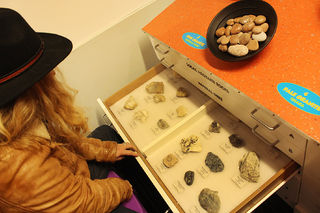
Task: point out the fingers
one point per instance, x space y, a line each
126 149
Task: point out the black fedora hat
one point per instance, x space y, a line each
26 56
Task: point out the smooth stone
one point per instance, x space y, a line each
214 162
244 38
257 30
265 27
223 47
253 45
260 19
155 87
170 160
209 200
236 28
260 37
189 177
236 141
238 50
130 104
249 167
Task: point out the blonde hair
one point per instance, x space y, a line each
50 101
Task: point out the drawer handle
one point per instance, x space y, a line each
261 122
262 138
163 61
157 48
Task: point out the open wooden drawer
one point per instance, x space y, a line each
154 144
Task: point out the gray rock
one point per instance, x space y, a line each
249 167
162 124
236 141
209 200
189 177
214 162
214 127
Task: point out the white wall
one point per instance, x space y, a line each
110 49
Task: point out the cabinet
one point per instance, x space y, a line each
154 144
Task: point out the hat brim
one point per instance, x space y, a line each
56 49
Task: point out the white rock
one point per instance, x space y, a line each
238 50
260 37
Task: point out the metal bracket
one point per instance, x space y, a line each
271 128
262 138
158 49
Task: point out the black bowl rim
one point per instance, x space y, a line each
243 5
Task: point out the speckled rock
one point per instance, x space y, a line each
214 127
236 141
214 162
209 200
189 177
190 144
249 167
238 50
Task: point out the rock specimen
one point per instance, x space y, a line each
170 160
130 104
242 35
236 141
214 127
141 115
190 144
162 124
189 177
214 162
249 167
159 98
182 92
209 200
155 87
181 111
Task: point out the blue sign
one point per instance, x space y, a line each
195 40
300 97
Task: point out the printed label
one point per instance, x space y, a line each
300 97
195 40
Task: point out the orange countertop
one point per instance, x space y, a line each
293 55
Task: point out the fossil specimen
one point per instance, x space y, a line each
209 200
159 98
236 141
182 92
141 115
189 177
162 124
249 167
155 87
190 144
130 104
214 127
170 160
181 111
214 162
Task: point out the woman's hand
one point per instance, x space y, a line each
125 149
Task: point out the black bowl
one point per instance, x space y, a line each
241 8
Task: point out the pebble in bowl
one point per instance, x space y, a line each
241 30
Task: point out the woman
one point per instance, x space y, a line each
43 148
